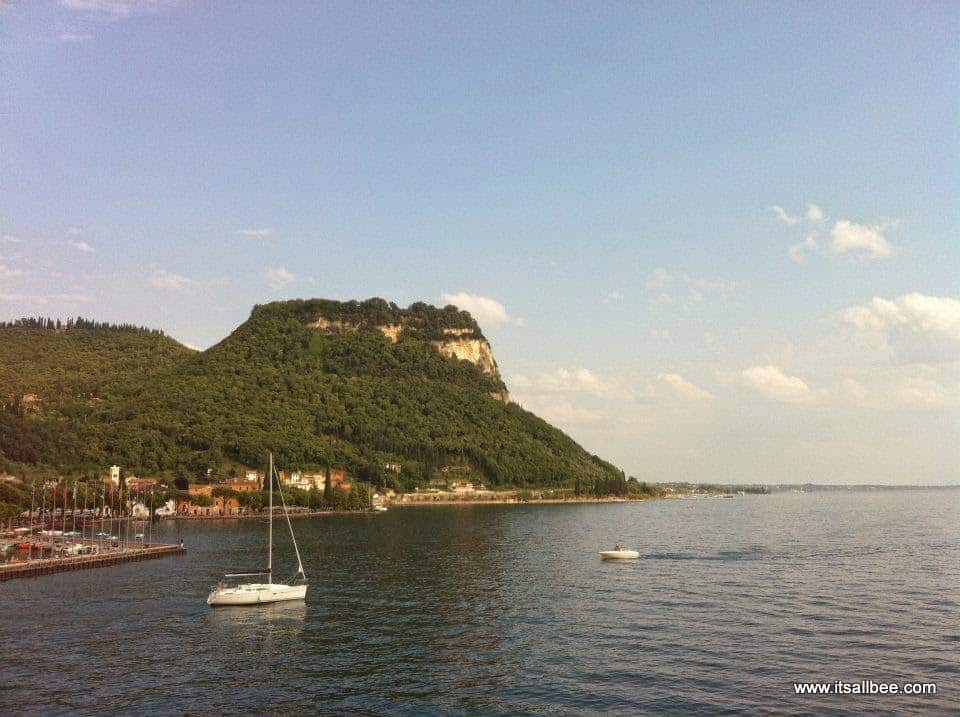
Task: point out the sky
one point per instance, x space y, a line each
711 241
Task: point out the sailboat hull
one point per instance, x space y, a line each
256 594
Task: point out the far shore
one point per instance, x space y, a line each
436 500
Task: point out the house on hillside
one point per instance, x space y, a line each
338 479
30 402
304 481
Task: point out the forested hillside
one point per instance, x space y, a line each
348 396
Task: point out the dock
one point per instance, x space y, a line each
47 566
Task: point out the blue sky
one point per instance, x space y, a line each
711 241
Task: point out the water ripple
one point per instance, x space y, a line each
508 610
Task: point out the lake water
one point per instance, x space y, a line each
509 610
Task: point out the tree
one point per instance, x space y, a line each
202 500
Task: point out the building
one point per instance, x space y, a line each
461 487
338 479
303 481
241 486
141 510
138 485
391 466
187 507
253 477
115 475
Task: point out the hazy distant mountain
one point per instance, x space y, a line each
357 385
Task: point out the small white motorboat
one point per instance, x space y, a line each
619 554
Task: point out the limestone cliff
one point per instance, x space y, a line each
464 342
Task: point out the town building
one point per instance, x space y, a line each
303 481
338 479
138 485
141 510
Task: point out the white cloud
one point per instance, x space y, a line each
42 300
774 384
684 388
278 276
665 287
783 216
163 279
815 214
701 286
915 326
578 379
75 37
8 273
658 279
81 246
263 233
896 392
116 9
487 311
798 252
9 239
869 239
565 413
920 393
561 380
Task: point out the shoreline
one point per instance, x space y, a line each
516 501
404 501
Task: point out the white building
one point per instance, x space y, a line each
140 510
304 481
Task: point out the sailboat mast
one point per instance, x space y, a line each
270 529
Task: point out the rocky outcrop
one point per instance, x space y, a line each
462 344
458 343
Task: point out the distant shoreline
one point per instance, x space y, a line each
517 501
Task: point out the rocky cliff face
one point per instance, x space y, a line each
463 343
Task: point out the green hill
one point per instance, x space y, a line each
321 383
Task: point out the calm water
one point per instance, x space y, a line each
507 609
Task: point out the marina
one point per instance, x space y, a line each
46 566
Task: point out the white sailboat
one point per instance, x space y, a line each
268 592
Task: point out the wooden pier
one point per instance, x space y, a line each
35 568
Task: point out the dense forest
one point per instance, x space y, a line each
79 396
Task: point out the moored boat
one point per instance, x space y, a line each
269 592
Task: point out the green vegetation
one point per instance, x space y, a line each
347 399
